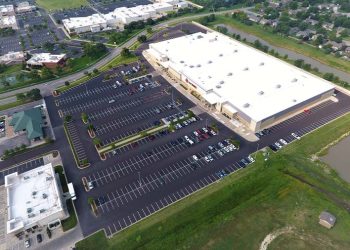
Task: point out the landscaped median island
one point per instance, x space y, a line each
102 150
71 221
289 190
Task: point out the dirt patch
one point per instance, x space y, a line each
271 236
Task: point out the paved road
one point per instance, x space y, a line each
48 87
291 54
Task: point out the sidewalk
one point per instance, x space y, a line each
235 126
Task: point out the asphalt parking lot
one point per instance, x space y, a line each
105 7
139 179
20 168
79 12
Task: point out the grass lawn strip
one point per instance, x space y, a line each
225 215
13 104
51 5
131 139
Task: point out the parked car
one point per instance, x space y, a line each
39 238
194 157
296 136
283 142
27 243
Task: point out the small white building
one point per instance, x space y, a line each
93 23
7 10
46 59
25 7
8 22
12 58
34 198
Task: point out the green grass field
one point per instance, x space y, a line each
239 211
52 5
285 42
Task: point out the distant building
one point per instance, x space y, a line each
34 198
335 46
8 22
327 220
305 34
253 17
25 7
13 58
120 17
29 121
328 26
7 10
46 59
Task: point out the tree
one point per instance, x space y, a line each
84 117
66 83
46 73
149 30
48 46
299 63
67 118
142 38
96 141
125 52
94 50
95 71
34 95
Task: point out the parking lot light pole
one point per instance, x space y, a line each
139 173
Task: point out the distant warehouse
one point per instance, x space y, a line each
239 81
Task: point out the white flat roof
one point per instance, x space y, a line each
76 22
40 58
256 83
31 196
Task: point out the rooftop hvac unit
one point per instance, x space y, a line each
235 51
278 86
198 65
181 61
42 210
209 77
44 196
29 210
220 55
26 177
294 100
191 66
34 193
218 86
229 74
40 172
49 178
199 36
209 62
31 215
294 80
222 82
262 64
246 105
246 69
260 92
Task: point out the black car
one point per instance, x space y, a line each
273 148
180 140
173 143
39 238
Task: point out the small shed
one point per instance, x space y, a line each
327 219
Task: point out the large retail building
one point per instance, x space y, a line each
241 82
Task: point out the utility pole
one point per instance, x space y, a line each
139 173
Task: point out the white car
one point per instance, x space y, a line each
90 185
205 130
186 138
251 159
111 101
195 157
283 142
27 243
195 133
295 136
278 145
115 86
